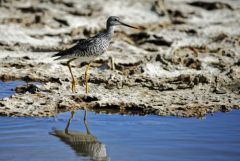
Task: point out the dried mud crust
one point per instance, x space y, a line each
182 62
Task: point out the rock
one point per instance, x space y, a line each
31 88
183 60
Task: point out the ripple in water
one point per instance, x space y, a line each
117 137
122 138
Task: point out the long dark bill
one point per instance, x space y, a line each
127 25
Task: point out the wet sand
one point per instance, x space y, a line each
184 61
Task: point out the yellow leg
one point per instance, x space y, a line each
86 78
69 122
85 116
85 122
73 79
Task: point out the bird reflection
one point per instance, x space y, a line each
84 144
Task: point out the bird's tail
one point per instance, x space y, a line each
58 55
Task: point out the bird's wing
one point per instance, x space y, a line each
63 53
81 46
84 43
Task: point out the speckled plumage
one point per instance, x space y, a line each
87 50
94 46
84 144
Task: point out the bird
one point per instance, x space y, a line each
86 50
84 144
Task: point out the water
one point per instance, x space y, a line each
7 88
121 138
125 137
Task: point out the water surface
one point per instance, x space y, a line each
8 88
118 137
125 137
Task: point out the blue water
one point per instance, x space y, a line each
7 88
125 138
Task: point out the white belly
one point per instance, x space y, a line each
85 59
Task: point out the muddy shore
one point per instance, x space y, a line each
184 60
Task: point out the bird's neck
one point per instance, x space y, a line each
110 30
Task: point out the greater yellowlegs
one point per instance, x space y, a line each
87 50
84 144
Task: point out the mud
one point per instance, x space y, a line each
183 61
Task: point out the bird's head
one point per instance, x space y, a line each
114 21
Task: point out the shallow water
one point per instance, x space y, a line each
7 88
125 137
120 138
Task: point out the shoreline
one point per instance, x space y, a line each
186 65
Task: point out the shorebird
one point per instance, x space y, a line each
84 144
86 50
